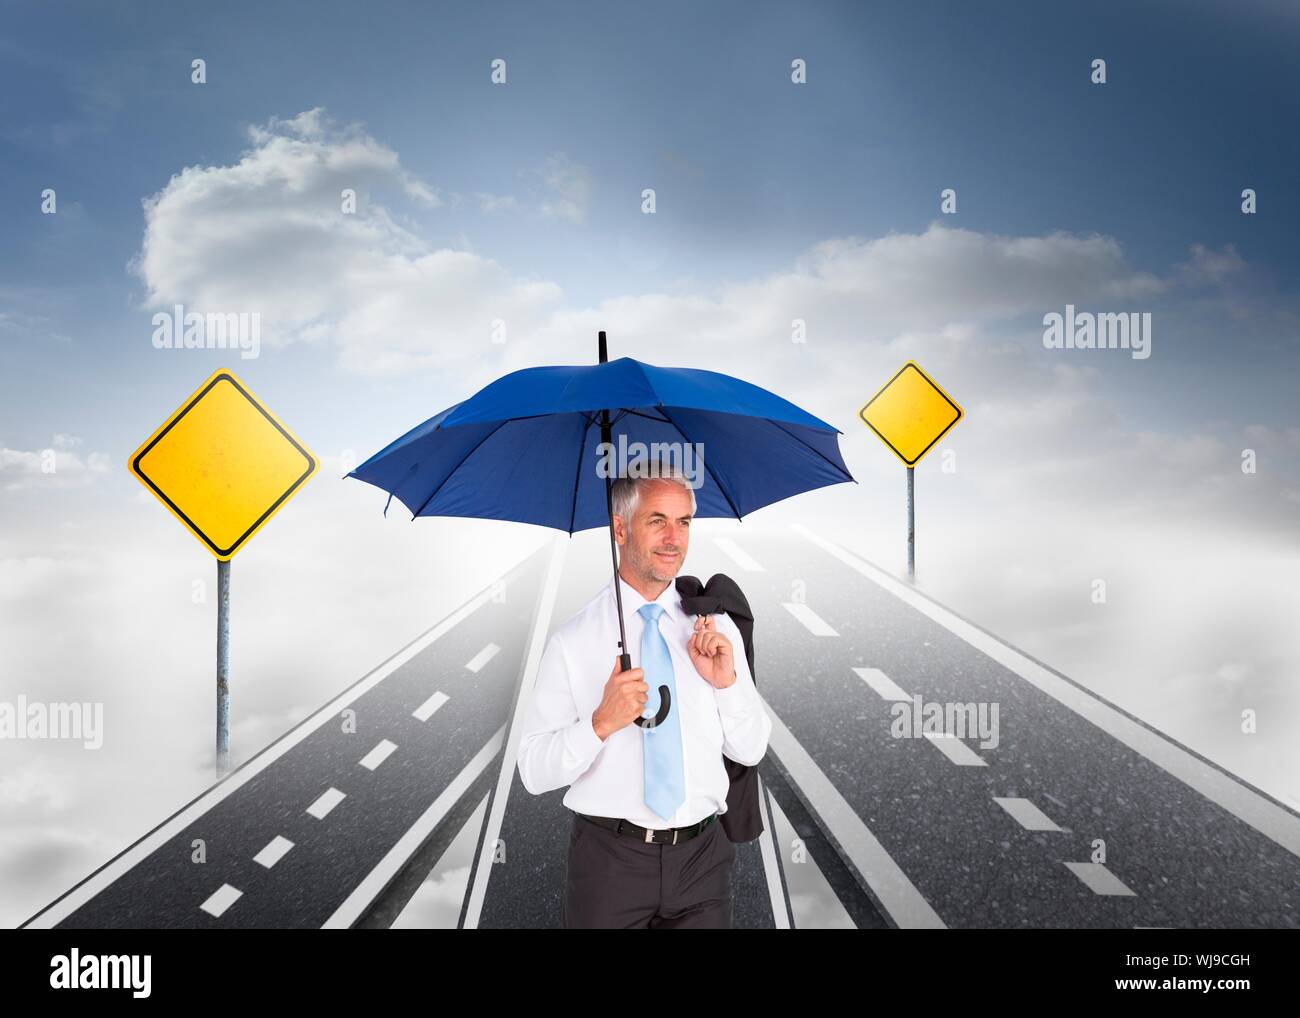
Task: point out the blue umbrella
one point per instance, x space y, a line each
534 447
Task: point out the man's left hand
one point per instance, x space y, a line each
711 653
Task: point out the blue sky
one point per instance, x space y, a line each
775 201
992 99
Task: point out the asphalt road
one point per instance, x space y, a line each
1076 815
312 830
945 831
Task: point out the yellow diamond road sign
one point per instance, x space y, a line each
223 464
910 413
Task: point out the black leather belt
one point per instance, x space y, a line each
651 836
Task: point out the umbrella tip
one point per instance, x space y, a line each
604 349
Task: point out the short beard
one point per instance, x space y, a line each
646 570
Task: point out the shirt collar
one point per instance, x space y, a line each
633 600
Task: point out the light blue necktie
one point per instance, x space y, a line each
665 778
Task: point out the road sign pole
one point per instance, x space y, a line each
223 666
910 414
911 523
223 465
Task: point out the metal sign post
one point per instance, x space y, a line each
223 666
911 523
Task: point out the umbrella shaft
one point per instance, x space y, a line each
625 659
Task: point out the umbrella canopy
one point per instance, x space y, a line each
525 447
528 448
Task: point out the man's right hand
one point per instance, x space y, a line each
626 694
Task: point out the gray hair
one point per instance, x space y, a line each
627 490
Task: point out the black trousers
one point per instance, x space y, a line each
613 881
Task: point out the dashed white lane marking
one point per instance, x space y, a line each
510 758
373 884
954 749
378 755
221 899
483 657
738 555
1026 814
1099 879
273 852
882 684
113 870
1270 818
883 879
813 622
326 802
426 709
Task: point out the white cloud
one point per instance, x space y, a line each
557 188
868 297
40 860
310 151
56 466
34 788
496 202
1206 266
27 325
267 234
570 186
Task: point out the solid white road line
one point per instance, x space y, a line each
426 709
483 657
954 749
1026 814
74 898
273 852
510 761
771 862
876 871
325 802
1250 806
737 554
377 880
378 755
1099 879
220 900
882 684
813 622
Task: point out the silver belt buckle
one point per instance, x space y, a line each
649 835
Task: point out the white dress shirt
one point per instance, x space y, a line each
559 746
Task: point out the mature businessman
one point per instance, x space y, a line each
645 848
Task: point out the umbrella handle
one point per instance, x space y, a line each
665 700
665 704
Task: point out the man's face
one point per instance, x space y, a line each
654 546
